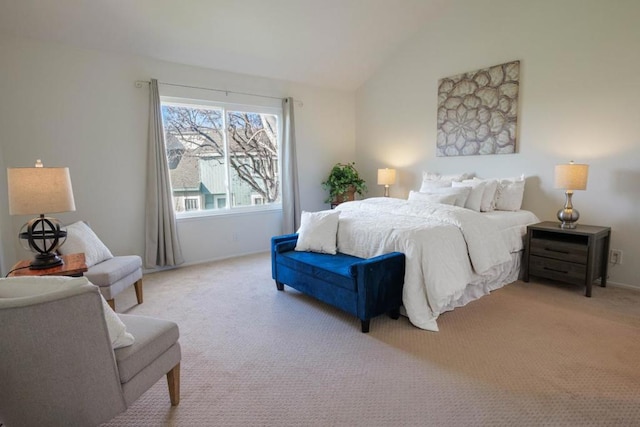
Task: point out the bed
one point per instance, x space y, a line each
453 255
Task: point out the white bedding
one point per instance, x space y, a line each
454 255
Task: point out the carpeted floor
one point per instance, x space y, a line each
528 354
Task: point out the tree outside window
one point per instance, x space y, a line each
227 158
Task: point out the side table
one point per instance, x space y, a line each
73 265
578 255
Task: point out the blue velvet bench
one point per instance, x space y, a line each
363 287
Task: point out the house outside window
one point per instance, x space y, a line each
222 158
257 200
191 204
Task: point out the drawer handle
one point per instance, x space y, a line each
557 251
557 271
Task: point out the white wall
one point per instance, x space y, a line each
80 108
579 91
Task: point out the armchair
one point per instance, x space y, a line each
57 362
112 274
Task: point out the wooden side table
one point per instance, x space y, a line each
73 265
578 255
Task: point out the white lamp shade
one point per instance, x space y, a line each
571 176
35 191
386 176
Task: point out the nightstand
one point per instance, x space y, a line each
578 255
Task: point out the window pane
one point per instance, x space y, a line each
219 158
195 151
253 157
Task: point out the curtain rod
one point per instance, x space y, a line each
140 83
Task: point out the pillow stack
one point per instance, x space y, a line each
509 194
436 186
435 180
480 195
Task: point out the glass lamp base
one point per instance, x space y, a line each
568 218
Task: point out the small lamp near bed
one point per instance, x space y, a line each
570 177
386 177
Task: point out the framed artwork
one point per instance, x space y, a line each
478 111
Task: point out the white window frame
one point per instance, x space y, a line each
249 108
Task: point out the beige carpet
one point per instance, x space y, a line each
528 354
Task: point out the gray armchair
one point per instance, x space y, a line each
116 274
57 364
112 274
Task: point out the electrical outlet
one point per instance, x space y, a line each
615 256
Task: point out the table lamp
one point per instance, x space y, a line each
386 177
36 191
570 177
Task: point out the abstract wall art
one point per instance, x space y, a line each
478 111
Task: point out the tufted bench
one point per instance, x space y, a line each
363 287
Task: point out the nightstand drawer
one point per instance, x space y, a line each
557 270
565 251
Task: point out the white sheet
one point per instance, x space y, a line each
453 254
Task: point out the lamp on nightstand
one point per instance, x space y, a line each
36 191
386 177
570 177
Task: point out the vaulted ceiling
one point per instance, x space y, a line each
328 43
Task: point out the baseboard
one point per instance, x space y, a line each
221 258
623 285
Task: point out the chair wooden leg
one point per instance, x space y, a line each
112 304
173 380
138 288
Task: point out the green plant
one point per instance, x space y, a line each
343 179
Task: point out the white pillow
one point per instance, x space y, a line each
117 329
488 195
461 193
428 184
318 232
509 194
19 287
81 238
435 180
446 199
475 195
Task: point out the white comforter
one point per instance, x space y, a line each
445 247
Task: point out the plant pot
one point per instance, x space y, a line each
347 196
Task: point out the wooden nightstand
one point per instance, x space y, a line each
578 255
74 265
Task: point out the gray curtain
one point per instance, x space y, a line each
162 247
290 192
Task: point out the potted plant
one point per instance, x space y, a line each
343 182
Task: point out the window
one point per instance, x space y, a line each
222 157
191 204
257 200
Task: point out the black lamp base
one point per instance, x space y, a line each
43 236
46 260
